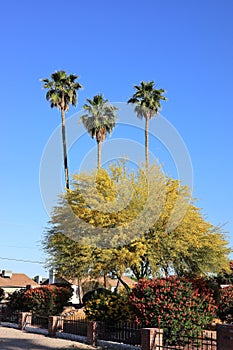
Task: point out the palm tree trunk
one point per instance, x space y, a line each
64 149
98 154
147 141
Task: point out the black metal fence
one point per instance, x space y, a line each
40 321
120 332
74 326
11 317
207 340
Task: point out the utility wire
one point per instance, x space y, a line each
27 261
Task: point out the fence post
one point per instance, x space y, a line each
25 318
52 326
92 333
224 336
151 338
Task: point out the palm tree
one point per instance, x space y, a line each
147 101
99 120
62 91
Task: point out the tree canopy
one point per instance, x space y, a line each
142 222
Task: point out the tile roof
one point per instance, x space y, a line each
17 280
110 282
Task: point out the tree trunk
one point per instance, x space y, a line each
147 141
98 154
127 288
105 281
64 148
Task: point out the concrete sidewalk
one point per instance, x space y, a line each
14 339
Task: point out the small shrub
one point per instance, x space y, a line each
109 307
94 294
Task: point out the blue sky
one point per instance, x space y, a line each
184 46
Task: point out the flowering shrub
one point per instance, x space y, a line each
178 305
45 300
16 301
108 307
225 306
95 294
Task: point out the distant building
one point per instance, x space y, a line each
11 282
61 281
80 287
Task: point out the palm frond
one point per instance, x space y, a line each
64 87
147 99
100 117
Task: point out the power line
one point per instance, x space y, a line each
18 247
26 261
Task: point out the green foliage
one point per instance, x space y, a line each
225 276
44 300
225 305
2 294
95 294
108 307
177 305
16 301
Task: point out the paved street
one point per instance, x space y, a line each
13 339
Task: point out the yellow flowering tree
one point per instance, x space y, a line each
115 221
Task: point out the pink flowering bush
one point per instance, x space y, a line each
177 305
44 300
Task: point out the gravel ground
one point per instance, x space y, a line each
14 339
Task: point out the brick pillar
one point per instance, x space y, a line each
60 324
52 327
224 336
151 338
25 319
92 333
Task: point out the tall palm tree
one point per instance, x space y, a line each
99 120
147 100
62 91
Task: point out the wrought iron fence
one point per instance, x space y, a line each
207 340
121 332
11 317
74 326
40 321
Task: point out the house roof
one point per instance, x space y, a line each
110 281
17 280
